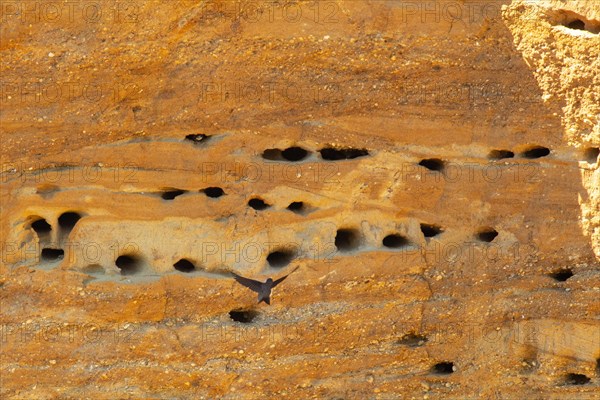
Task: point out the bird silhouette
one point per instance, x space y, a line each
262 288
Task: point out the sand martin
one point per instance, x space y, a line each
262 288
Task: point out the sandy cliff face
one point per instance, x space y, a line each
432 168
561 59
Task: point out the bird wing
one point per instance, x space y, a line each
278 281
249 283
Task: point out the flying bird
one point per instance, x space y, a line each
262 288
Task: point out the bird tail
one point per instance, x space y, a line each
266 300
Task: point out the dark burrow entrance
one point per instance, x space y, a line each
243 316
184 265
258 204
129 264
443 368
535 152
170 194
41 227
67 221
580 22
432 164
576 24
500 154
280 258
213 192
293 153
430 230
487 234
576 379
562 274
52 254
297 207
591 154
347 239
333 154
395 241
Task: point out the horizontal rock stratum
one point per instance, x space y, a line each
430 167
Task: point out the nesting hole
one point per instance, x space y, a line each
52 254
347 239
272 154
591 154
184 265
67 220
576 24
576 379
243 316
333 154
413 340
562 274
170 194
430 230
579 22
395 241
500 154
535 152
297 207
41 227
487 235
432 164
443 368
129 264
197 138
280 258
258 204
293 153
213 192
